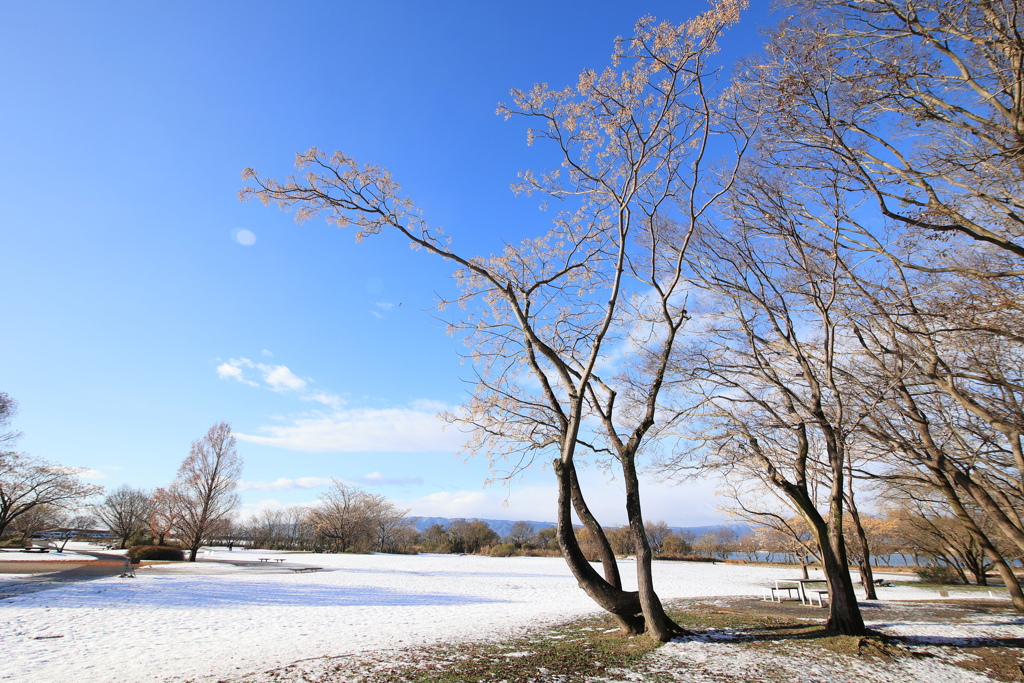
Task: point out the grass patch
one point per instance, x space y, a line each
569 652
737 639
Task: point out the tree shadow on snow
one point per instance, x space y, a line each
211 593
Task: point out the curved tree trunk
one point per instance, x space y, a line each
1004 569
867 577
579 504
623 605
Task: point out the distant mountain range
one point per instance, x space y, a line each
503 526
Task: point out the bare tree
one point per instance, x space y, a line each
163 516
352 520
27 482
125 511
634 142
204 490
657 533
521 533
8 409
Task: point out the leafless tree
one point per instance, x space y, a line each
8 409
125 511
657 533
521 533
163 516
204 491
27 482
351 520
558 311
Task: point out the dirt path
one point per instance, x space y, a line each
51 574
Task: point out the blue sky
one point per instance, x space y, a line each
138 310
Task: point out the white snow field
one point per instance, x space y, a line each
181 621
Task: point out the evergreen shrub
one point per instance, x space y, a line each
156 552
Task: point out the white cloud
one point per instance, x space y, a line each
406 430
378 479
386 305
280 378
86 473
265 352
277 377
327 399
378 316
284 484
230 370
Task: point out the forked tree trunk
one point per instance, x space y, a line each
624 606
604 548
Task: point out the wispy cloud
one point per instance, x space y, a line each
86 473
378 316
231 371
277 377
405 430
265 352
386 305
284 484
378 479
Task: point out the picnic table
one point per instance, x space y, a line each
800 585
36 549
271 559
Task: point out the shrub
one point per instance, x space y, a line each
503 550
156 552
942 574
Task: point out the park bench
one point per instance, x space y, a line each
820 596
299 570
35 549
271 559
774 593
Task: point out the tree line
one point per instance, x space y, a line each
36 495
804 279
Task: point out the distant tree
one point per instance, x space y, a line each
125 511
39 518
204 492
435 539
27 482
676 545
8 408
520 534
163 514
470 536
657 533
621 540
75 525
546 538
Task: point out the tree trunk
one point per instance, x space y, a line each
1005 572
624 606
659 626
579 504
844 612
867 577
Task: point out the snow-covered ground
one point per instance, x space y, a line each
180 621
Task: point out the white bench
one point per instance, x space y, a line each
770 593
820 596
